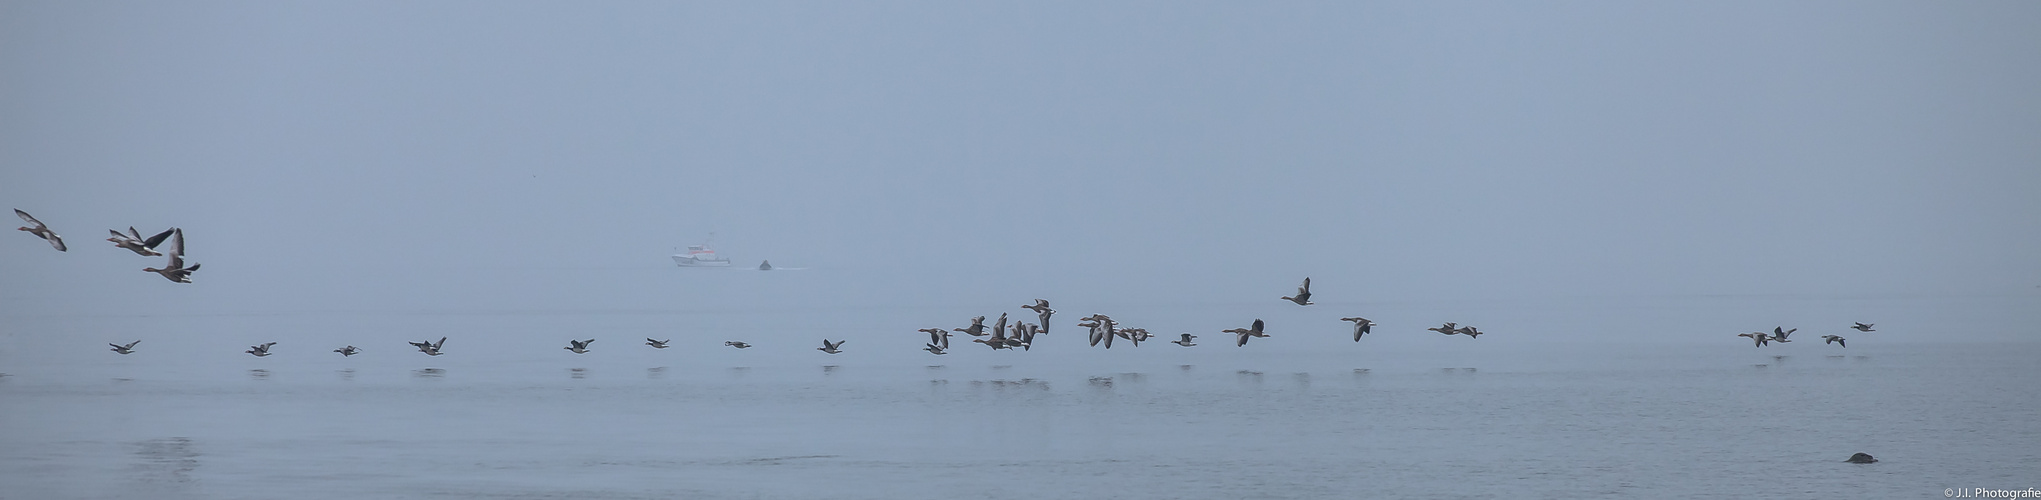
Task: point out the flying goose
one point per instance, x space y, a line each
40 230
1303 297
260 350
1186 342
977 328
1469 331
1042 312
430 348
1027 338
657 344
133 241
175 270
1246 333
1448 329
125 349
937 336
1779 335
1834 339
1361 326
1863 327
578 346
1758 339
737 344
348 351
831 348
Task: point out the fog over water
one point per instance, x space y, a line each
1611 191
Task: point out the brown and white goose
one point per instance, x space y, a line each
1303 297
1361 326
134 242
40 230
175 270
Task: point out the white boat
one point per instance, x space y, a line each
700 256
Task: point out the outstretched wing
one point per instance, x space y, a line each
154 240
1257 326
30 218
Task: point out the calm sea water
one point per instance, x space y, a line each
1525 412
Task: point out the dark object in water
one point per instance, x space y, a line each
1861 458
765 265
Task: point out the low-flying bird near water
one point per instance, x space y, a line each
175 270
937 337
428 347
348 351
934 349
1246 333
1448 329
578 346
977 328
831 348
1834 339
125 349
40 230
260 350
1758 339
1303 297
1186 341
737 344
1361 326
1779 335
1469 331
657 344
134 242
1863 327
1042 312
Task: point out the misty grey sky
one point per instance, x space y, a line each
417 154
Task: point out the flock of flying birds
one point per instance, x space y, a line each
1001 335
175 270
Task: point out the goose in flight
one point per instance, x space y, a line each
1448 329
996 341
37 228
1246 333
1863 327
578 346
1042 312
1834 339
934 349
125 349
260 350
428 347
1779 335
657 344
1303 297
1758 339
1361 326
737 344
831 348
977 328
1469 331
175 270
937 337
1027 338
1186 342
348 351
134 242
